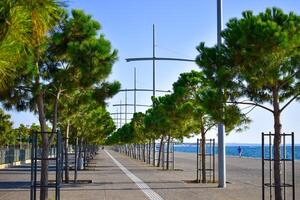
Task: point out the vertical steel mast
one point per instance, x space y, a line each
134 108
125 106
154 58
153 159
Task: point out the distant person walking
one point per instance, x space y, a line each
240 151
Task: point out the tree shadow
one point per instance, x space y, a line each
14 184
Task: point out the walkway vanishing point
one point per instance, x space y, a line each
115 176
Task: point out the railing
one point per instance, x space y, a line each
9 155
287 166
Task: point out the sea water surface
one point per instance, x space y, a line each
249 151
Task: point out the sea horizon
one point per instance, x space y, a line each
248 150
230 144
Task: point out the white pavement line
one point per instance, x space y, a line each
143 186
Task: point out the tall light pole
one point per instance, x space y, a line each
125 106
153 153
221 132
117 119
153 48
120 114
134 96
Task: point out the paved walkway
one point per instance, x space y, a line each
116 176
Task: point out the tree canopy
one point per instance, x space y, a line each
258 65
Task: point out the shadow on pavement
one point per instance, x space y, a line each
14 185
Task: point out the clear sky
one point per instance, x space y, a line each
180 26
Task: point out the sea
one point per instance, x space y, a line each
248 150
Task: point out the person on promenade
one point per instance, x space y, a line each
240 151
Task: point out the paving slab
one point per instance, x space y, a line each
110 182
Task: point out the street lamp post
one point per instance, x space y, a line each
153 158
125 106
221 132
134 96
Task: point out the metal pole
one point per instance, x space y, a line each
197 178
134 90
153 159
120 114
284 159
117 120
76 160
35 163
32 197
221 156
57 167
263 165
270 163
221 132
219 22
293 165
126 107
61 158
153 60
214 162
67 153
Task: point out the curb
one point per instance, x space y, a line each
17 163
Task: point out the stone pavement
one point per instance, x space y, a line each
113 177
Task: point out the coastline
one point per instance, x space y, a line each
229 156
253 152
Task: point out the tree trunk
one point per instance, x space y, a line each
153 153
45 148
160 149
76 160
168 151
149 153
203 156
144 152
67 177
84 154
54 117
277 141
139 151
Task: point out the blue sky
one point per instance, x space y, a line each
180 26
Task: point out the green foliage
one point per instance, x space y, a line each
24 25
259 61
23 133
63 55
257 64
87 117
133 132
75 49
6 131
74 58
124 135
138 127
264 50
15 136
260 56
94 124
14 34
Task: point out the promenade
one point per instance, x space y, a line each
115 176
